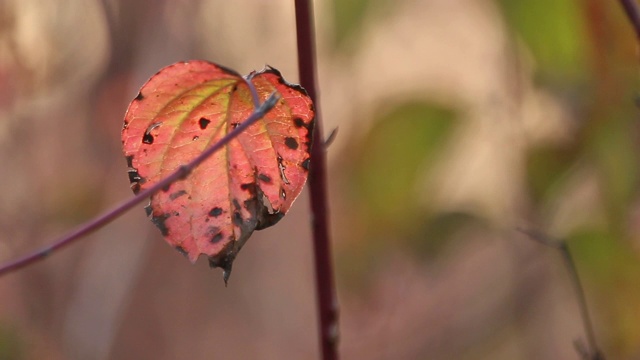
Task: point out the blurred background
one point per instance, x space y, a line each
459 122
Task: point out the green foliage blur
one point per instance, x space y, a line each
10 344
586 57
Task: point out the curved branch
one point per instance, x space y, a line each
181 173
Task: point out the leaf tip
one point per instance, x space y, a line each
225 275
225 262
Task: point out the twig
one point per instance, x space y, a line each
594 353
181 173
325 288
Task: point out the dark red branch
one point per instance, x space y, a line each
325 288
114 213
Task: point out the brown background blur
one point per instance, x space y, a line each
459 121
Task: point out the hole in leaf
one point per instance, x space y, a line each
298 122
203 122
291 143
215 212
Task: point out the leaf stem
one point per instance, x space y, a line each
252 89
325 289
110 215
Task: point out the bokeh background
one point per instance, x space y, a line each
458 122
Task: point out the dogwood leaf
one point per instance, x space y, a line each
248 185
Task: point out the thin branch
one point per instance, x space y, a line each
594 353
181 173
325 287
633 13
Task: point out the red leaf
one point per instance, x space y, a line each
248 185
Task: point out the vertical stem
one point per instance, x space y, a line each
325 288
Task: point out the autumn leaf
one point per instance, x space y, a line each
248 185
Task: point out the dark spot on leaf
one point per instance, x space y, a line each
134 176
266 220
177 194
181 250
305 164
282 81
234 125
251 187
129 160
250 204
234 88
148 209
184 171
237 218
166 188
215 212
203 122
298 122
126 125
135 180
283 194
159 221
264 178
265 214
217 237
216 234
195 138
291 143
139 97
147 138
